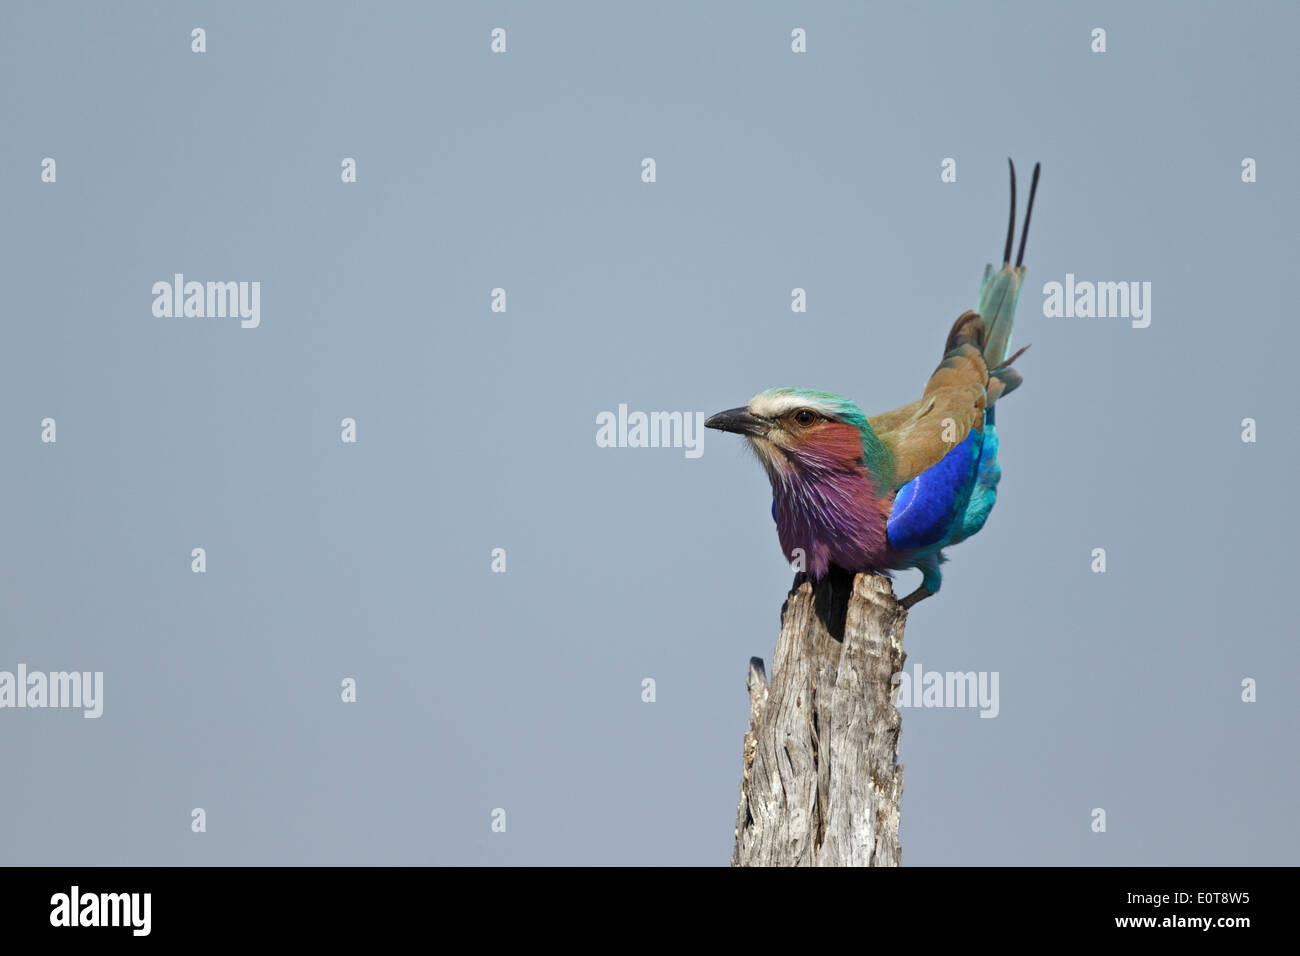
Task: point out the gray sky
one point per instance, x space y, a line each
477 430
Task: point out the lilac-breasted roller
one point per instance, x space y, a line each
894 490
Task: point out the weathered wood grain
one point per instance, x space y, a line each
821 782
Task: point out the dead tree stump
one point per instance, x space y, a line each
822 782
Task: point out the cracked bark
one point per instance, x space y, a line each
821 782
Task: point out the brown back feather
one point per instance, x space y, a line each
916 433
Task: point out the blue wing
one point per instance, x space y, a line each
926 508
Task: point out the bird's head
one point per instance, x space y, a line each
798 432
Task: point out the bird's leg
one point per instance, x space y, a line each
920 594
931 580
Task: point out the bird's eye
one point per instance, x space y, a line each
805 417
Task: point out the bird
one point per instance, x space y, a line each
891 492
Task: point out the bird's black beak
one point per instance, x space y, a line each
737 420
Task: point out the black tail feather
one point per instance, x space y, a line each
1011 224
1024 231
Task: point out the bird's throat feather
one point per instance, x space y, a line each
826 500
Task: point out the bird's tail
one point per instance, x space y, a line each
999 293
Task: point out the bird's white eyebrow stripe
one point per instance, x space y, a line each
768 405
